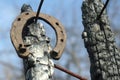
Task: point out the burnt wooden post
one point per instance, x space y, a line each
33 46
100 42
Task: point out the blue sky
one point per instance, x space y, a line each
11 8
63 10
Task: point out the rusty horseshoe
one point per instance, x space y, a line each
19 24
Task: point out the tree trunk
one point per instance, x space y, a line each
100 42
38 65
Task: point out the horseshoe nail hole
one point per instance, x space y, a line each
61 31
20 45
26 13
57 23
22 50
61 40
18 19
53 54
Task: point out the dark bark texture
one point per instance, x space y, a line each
100 42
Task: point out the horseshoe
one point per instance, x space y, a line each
19 24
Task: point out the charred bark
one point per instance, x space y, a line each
100 42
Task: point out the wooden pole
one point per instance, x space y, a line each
100 42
